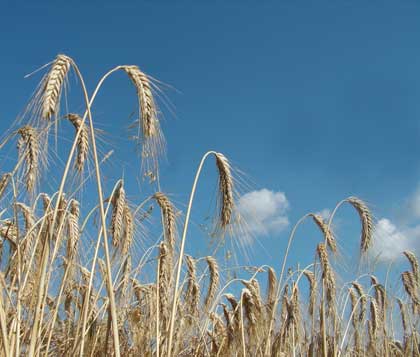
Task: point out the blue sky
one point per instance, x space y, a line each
317 100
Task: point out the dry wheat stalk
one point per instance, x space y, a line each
53 85
367 222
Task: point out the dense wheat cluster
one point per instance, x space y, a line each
59 299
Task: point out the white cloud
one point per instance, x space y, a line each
389 242
264 212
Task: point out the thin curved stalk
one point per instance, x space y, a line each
103 218
181 252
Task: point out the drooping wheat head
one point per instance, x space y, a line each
226 200
28 147
117 219
53 85
82 141
169 218
366 220
213 281
328 234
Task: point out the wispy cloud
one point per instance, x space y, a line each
389 241
264 211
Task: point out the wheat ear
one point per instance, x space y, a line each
28 146
226 201
326 230
82 141
168 214
53 86
366 220
214 281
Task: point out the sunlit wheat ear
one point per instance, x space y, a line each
128 235
374 316
165 266
4 181
410 287
328 234
9 231
73 232
363 300
153 142
312 290
226 201
404 317
53 85
117 219
30 234
213 281
149 123
354 301
125 276
414 265
366 220
271 289
192 295
254 288
327 274
29 148
249 306
169 218
82 141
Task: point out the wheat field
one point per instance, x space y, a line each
57 300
